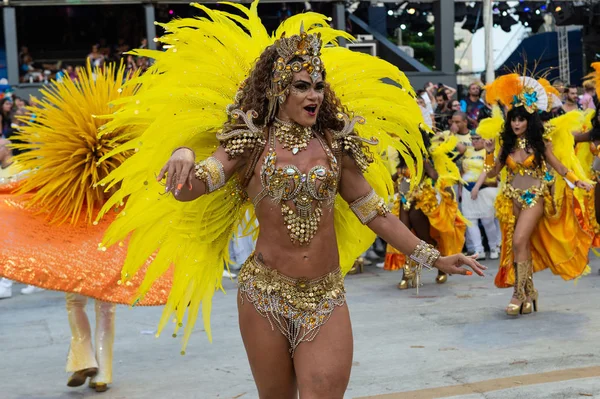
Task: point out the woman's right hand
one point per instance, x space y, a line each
489 145
179 170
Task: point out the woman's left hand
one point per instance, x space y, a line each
452 265
584 185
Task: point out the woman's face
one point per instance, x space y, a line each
455 105
7 106
19 103
518 125
304 100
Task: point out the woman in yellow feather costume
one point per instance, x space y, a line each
538 212
437 221
48 239
285 150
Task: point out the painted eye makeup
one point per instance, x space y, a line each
301 87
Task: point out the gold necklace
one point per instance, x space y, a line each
522 143
292 136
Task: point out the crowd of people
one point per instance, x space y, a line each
100 55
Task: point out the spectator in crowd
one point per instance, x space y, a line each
29 72
478 196
455 107
572 99
459 127
587 99
95 57
560 86
427 112
442 113
472 104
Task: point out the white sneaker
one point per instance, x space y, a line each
5 292
494 253
31 289
380 265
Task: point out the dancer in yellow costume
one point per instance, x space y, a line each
588 152
536 209
437 221
286 150
48 239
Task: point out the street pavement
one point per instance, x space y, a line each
453 341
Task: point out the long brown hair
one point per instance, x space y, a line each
257 85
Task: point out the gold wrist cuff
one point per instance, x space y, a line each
211 172
424 255
369 207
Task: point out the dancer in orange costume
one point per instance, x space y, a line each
48 238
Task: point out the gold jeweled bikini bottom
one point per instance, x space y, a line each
298 307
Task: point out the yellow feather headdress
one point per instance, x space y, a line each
182 101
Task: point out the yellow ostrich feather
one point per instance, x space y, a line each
490 128
63 143
182 101
448 173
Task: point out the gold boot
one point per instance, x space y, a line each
521 270
357 267
530 292
409 278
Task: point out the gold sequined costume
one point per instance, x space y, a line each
191 97
559 241
437 201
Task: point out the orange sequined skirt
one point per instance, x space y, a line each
561 241
66 257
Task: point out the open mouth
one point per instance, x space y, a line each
311 109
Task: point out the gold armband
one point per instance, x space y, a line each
489 162
211 172
369 207
570 176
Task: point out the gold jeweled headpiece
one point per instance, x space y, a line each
295 53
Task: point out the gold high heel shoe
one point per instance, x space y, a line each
78 378
441 277
530 292
409 278
357 267
514 309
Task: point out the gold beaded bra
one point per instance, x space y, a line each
288 183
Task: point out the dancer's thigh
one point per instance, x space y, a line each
268 354
323 364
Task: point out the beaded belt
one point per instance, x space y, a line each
297 306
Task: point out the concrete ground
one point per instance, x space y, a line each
453 341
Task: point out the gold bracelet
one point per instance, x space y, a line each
425 255
489 159
369 207
211 172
